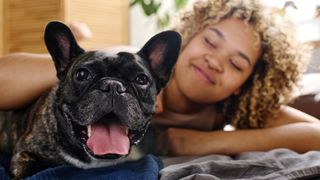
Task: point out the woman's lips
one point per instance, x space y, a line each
203 75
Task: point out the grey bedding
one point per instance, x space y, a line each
276 164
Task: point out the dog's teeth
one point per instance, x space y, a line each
89 130
127 130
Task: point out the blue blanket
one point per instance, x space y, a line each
144 169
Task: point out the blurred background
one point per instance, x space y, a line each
103 23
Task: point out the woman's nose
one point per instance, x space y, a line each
214 63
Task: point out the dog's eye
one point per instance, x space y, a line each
142 79
82 74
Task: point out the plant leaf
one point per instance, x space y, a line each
180 3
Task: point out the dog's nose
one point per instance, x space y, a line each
113 86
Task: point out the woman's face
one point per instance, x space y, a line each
217 61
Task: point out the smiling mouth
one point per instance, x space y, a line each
203 75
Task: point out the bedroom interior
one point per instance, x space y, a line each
106 23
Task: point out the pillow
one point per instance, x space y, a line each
308 97
308 103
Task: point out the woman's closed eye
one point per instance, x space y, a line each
236 64
210 43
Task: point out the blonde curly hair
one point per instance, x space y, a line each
276 72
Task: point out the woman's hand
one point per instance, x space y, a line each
180 142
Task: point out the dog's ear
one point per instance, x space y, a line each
162 52
62 46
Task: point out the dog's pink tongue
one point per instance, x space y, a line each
108 140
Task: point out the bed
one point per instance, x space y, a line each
275 164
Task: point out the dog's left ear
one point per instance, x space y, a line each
162 52
62 46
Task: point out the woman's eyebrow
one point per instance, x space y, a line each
218 32
245 57
222 37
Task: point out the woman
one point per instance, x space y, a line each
236 66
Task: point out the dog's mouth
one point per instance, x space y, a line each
108 138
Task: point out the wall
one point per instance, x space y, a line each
142 28
1 29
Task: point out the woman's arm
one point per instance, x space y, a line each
23 77
291 129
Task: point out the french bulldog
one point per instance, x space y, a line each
98 111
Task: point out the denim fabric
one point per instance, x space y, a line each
144 169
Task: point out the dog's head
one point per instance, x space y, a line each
104 101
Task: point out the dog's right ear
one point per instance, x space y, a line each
62 46
162 52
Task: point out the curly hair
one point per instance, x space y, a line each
276 72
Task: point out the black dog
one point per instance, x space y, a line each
102 105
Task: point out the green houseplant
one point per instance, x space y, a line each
151 8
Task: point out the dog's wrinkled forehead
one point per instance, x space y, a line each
104 55
122 62
122 56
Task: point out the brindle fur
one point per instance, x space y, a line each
17 137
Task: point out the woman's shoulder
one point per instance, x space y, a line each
287 115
